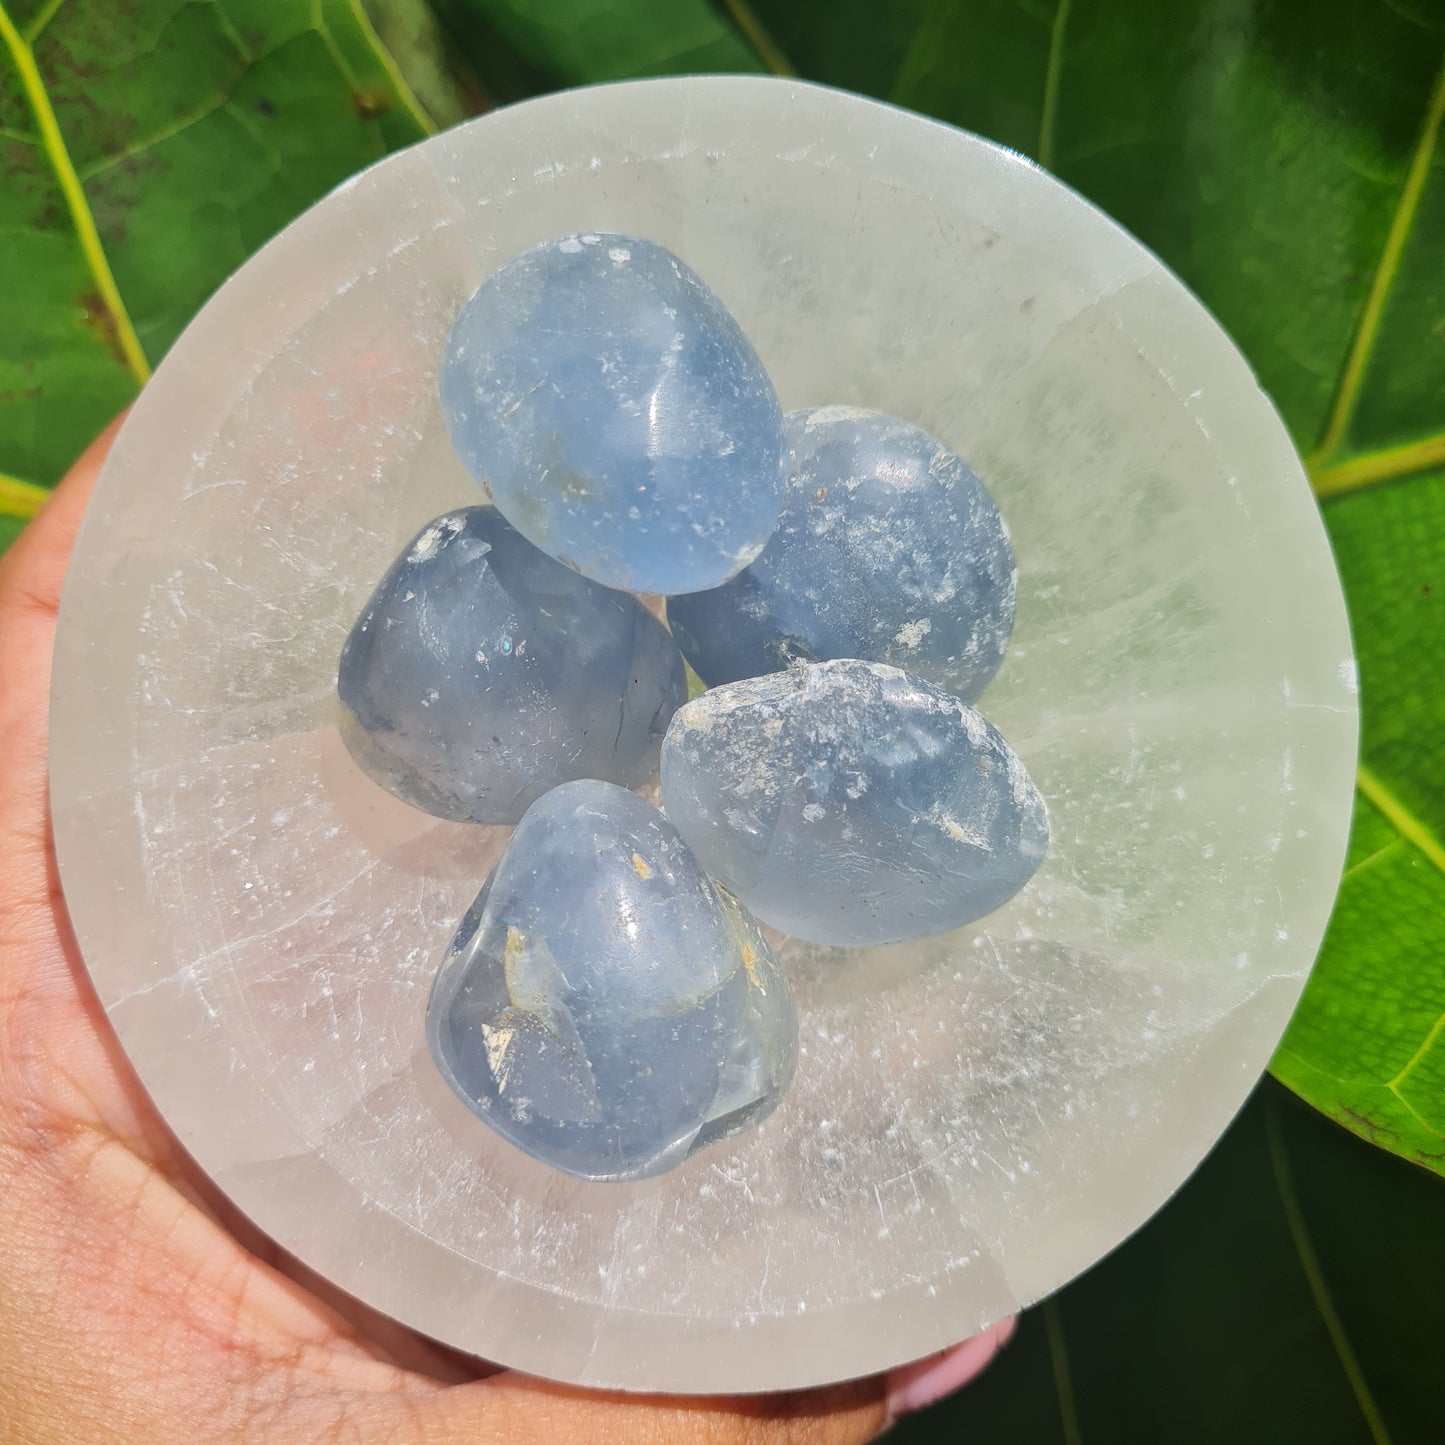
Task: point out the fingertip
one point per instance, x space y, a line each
924 1382
46 541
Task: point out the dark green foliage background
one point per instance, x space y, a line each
1284 158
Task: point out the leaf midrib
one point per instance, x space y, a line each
756 34
1319 1287
1410 827
1059 1368
53 143
1401 223
1049 109
19 497
40 20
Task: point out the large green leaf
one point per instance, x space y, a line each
1292 1294
520 47
1367 1044
1285 160
146 149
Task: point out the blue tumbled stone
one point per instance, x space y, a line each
481 673
604 1005
889 549
617 413
848 803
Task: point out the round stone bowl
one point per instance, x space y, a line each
977 1117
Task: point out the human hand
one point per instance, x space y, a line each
136 1305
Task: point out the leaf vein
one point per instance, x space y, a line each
228 29
399 82
1400 818
1063 1380
21 499
1319 1287
756 34
319 25
164 134
248 124
1048 114
1375 857
1358 357
1371 468
1410 1064
40 20
53 143
1414 1113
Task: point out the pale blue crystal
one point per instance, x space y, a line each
617 413
481 673
604 1005
849 803
889 549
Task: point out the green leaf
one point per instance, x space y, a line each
1367 1044
1294 1291
520 47
408 32
1286 160
146 149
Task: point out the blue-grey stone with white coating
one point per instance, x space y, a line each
481 673
889 550
604 1005
616 412
848 803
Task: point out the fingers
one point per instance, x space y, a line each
32 573
924 1382
33 569
525 1411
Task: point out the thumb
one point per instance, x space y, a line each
523 1410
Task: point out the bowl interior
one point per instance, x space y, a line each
976 1117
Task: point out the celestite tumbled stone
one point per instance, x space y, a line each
848 803
889 549
617 413
604 1005
481 673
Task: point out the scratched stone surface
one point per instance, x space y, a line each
889 549
605 1006
480 673
609 403
850 803
975 1117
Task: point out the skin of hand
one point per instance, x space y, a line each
136 1305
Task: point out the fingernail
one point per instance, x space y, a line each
924 1382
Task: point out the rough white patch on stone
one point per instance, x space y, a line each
912 633
1349 674
427 545
826 414
497 1042
956 830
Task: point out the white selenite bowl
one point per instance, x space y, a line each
977 1117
